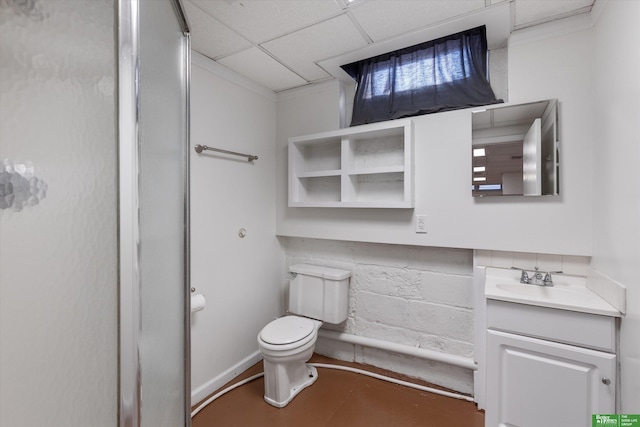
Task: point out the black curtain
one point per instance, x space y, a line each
443 74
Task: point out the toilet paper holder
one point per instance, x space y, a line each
197 303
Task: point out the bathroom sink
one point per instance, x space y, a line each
568 293
552 293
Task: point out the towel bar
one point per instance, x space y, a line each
249 157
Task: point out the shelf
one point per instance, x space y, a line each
368 166
320 173
377 170
321 156
360 204
319 189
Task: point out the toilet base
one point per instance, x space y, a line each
286 381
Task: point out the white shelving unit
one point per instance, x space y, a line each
368 166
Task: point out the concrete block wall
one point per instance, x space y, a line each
411 295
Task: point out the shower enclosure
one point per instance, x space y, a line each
94 280
154 217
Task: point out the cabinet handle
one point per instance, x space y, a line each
606 381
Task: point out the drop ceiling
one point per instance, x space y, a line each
283 44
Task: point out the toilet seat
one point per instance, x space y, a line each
288 330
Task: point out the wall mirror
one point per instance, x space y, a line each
515 150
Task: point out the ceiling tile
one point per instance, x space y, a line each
382 19
279 43
263 69
534 11
300 50
210 37
263 20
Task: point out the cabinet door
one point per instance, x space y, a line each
533 383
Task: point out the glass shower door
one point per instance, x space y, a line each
163 130
58 214
154 192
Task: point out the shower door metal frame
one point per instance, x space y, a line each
129 363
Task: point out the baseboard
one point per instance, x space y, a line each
200 393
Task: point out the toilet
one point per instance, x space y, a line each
316 294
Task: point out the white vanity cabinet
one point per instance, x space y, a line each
368 166
548 367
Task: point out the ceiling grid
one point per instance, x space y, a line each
283 44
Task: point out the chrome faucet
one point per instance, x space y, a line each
537 278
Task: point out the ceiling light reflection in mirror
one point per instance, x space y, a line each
515 150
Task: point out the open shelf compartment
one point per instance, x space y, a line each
362 166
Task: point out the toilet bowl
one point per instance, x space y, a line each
286 345
316 294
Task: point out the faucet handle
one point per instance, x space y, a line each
548 280
524 277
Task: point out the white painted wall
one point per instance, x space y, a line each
241 278
550 68
58 259
616 203
498 73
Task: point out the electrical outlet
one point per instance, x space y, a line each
421 223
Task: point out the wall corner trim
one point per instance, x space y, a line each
309 89
557 28
596 10
210 65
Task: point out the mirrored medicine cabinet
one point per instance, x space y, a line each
515 150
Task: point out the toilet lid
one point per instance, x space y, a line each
287 330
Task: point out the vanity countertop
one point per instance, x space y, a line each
567 293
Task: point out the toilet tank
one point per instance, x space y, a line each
320 293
